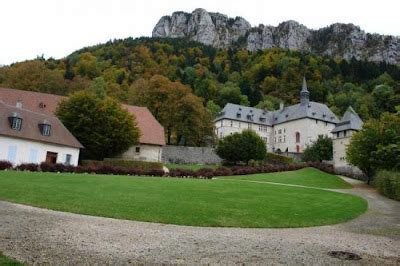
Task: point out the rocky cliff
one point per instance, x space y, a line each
338 40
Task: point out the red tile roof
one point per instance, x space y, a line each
152 132
30 127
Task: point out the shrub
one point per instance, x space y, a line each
273 158
4 165
124 163
28 167
320 150
242 147
388 184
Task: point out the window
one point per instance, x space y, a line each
240 124
33 156
231 123
337 134
15 121
280 131
137 149
297 137
16 124
297 148
68 158
316 121
221 123
45 128
12 154
344 133
284 130
249 126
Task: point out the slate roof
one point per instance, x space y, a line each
349 121
151 130
245 114
298 111
30 127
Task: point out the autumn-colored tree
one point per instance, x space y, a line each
185 119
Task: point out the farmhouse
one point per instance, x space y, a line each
152 133
289 129
30 137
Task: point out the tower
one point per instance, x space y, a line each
304 93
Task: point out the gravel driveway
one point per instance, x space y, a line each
37 235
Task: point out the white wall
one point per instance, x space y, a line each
308 128
226 127
148 153
339 148
27 151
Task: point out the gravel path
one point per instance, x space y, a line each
43 236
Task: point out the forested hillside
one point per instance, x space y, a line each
217 76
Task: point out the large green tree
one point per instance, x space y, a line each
319 150
242 147
377 145
102 125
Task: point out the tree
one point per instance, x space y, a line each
320 150
102 125
230 93
242 147
213 108
376 146
182 113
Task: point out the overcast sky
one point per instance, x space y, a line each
56 28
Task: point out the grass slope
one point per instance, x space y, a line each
181 201
306 177
5 261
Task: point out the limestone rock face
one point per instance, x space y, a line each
337 40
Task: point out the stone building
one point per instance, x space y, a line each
288 130
347 126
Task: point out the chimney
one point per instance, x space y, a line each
281 106
19 104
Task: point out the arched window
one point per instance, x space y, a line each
297 137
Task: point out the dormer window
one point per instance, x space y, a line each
45 128
15 121
238 115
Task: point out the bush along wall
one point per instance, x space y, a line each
388 183
204 173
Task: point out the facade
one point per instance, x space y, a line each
151 139
288 130
348 125
30 137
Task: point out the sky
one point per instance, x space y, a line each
56 28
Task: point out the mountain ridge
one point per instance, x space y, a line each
337 40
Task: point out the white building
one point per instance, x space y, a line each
151 138
290 129
30 137
348 125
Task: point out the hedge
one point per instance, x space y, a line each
124 164
274 158
388 183
204 173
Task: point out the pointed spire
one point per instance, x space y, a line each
304 93
304 87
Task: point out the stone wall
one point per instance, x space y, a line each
192 155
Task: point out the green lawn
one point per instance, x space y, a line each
181 201
190 166
5 261
306 177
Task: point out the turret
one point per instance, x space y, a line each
304 93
